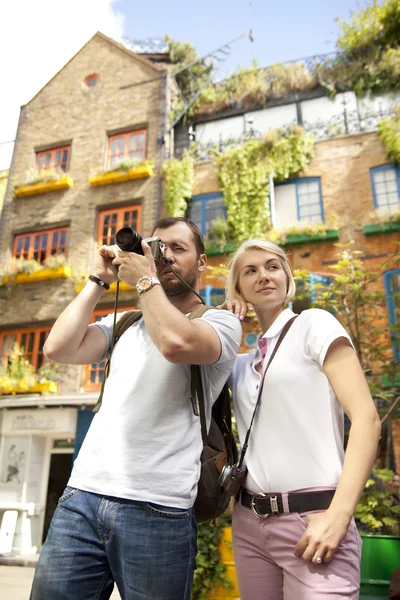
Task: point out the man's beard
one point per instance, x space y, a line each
175 288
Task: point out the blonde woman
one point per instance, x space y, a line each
294 535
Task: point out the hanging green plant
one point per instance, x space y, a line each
244 172
179 179
389 130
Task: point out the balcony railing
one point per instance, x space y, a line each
345 123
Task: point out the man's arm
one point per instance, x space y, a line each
72 340
179 339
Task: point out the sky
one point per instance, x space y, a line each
37 39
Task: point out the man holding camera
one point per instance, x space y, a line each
127 513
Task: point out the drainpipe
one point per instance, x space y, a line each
162 140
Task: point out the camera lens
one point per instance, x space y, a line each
129 240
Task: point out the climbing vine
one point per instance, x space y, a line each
244 173
210 571
389 130
179 179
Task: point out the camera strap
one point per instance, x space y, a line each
260 388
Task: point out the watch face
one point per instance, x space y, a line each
145 284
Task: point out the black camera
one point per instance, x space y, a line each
232 478
129 240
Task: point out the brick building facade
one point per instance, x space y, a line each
106 105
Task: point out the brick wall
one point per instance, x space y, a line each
66 111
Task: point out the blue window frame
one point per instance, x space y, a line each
392 288
307 199
203 209
212 296
385 181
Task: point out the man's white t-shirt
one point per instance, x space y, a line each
296 441
145 442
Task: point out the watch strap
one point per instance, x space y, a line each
99 282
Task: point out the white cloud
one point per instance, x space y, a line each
36 40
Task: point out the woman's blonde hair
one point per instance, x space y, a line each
232 284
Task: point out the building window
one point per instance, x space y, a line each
385 182
111 220
31 342
94 373
126 146
57 159
91 80
212 296
39 246
392 288
203 209
297 201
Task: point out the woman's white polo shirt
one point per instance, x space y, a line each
297 437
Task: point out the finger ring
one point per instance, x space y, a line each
318 560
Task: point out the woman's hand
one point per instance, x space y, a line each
239 308
322 537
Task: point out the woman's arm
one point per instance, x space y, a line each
326 530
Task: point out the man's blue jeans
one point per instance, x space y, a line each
149 550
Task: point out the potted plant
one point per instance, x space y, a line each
378 519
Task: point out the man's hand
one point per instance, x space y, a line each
322 537
103 264
133 266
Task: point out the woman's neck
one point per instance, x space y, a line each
266 316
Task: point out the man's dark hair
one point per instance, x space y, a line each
170 221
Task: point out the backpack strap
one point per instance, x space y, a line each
128 318
196 385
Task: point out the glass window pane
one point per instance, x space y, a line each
195 213
114 145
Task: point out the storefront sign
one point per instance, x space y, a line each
40 420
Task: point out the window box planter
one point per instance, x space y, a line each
42 275
380 557
387 382
303 238
33 189
219 251
39 388
140 172
381 228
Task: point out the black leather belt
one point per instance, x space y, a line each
265 505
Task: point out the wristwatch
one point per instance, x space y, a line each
145 284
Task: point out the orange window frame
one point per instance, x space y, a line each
126 146
113 219
94 372
39 245
48 159
31 339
